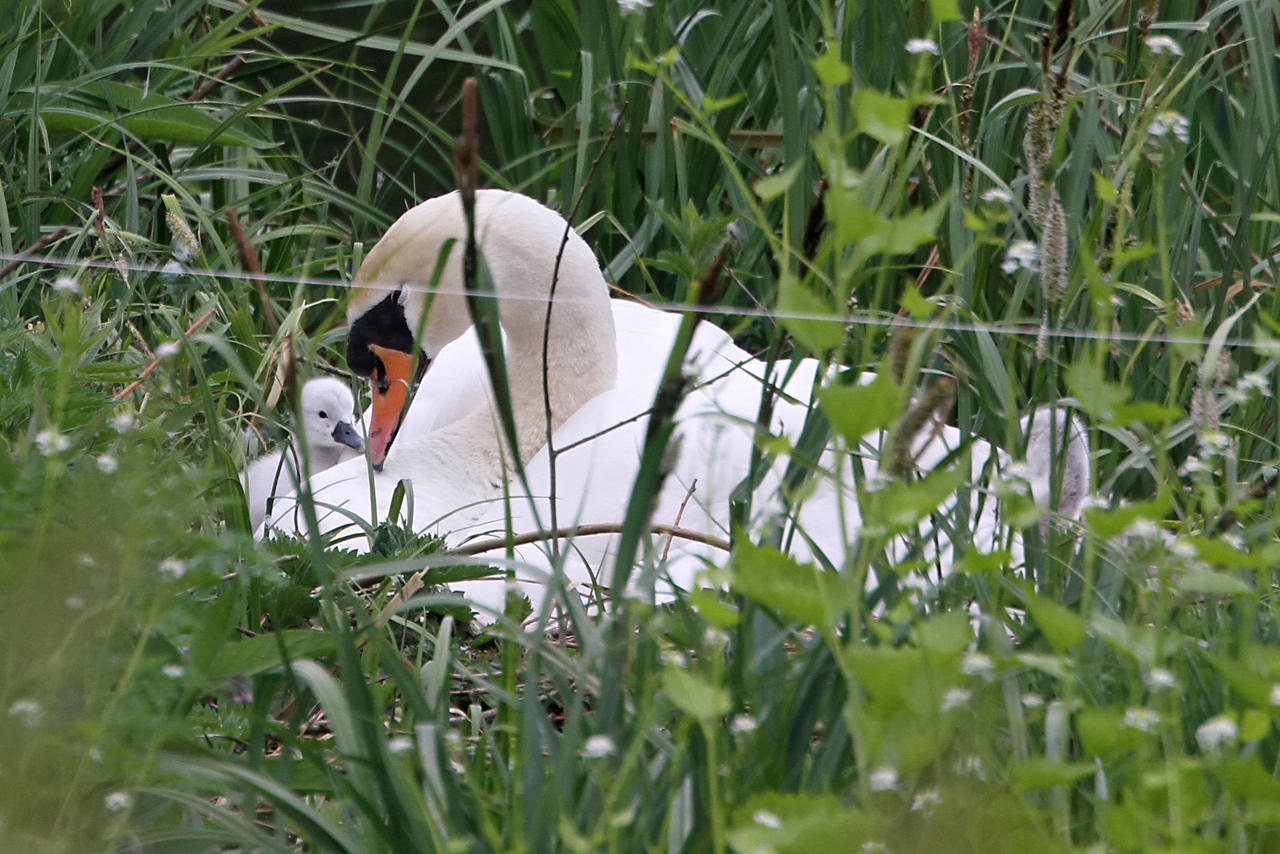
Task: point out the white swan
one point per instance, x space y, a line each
459 470
327 430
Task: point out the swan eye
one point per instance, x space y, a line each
323 414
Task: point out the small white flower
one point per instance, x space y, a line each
66 285
167 349
1254 381
107 464
1160 45
742 724
631 7
1141 718
174 567
915 46
173 671
972 765
122 422
1160 679
95 754
674 658
75 603
1171 122
1032 701
1143 529
1194 465
1216 733
117 801
883 779
764 818
873 846
86 559
1275 694
977 664
1233 539
51 442
27 711
1021 255
1182 548
1215 441
926 800
400 744
997 196
953 698
715 637
598 746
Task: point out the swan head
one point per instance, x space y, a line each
409 305
328 414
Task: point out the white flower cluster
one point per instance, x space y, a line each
1161 45
1171 122
915 46
1021 255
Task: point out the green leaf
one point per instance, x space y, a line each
1209 582
854 410
1042 773
881 116
831 70
252 656
1104 188
798 591
818 336
1097 397
1109 523
944 10
775 185
1220 553
1063 627
150 117
900 505
948 633
977 562
710 607
694 695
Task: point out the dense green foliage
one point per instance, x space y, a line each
169 684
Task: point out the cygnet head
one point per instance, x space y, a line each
412 302
328 415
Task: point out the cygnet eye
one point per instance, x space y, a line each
323 414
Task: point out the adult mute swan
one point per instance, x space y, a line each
327 430
603 361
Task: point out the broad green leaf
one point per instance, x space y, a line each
831 70
900 505
1063 627
1104 734
948 633
252 656
817 335
1109 523
1042 773
944 10
799 591
881 116
775 185
977 562
1220 553
906 233
1209 582
1098 397
694 695
854 410
1104 188
710 607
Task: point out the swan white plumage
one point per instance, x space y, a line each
603 359
327 430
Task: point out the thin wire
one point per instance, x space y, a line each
1025 329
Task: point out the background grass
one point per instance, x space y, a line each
171 685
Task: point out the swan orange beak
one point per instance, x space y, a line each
392 391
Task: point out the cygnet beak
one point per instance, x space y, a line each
345 434
392 391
